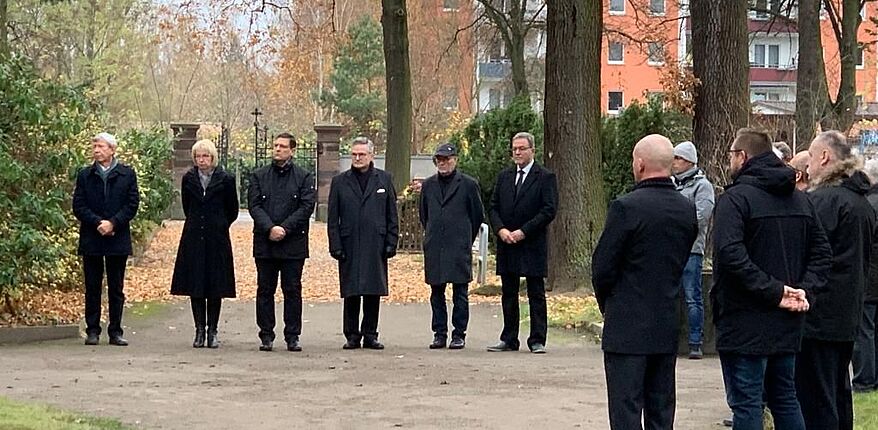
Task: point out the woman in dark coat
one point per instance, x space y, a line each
204 269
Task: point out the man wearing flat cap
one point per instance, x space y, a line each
451 214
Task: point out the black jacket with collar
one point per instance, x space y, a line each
281 196
116 201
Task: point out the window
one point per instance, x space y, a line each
861 56
773 56
656 53
657 7
617 7
614 101
775 97
616 53
494 98
449 5
859 101
451 100
495 50
766 56
760 96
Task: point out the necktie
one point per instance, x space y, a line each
519 181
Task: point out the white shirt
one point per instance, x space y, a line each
526 171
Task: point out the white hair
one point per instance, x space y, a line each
871 170
363 140
106 137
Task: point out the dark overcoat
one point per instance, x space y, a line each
204 265
451 224
281 196
116 201
364 227
637 265
531 211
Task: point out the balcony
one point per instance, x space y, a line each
495 70
772 74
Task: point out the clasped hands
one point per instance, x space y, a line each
277 233
794 300
511 237
105 228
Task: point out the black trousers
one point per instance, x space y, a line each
353 330
93 267
536 298
267 270
459 314
823 384
206 312
641 386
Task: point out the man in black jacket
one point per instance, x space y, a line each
636 270
281 199
865 358
838 191
105 201
524 202
451 214
770 257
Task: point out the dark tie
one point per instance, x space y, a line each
519 181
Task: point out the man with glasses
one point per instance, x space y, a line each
524 202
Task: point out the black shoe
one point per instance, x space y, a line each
457 343
351 344
438 343
538 348
199 339
212 341
729 422
266 345
294 346
372 344
92 339
118 341
501 347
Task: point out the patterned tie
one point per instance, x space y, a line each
519 181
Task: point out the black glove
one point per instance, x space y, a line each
389 252
339 255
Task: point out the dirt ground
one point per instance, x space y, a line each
161 382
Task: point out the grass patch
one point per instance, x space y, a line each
21 416
147 309
866 411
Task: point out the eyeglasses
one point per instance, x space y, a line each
520 149
732 151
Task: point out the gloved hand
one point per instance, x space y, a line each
389 252
339 255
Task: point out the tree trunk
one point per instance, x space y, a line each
811 91
845 105
399 91
515 46
572 144
722 102
4 38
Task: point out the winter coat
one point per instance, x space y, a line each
281 196
204 265
115 200
693 184
766 235
363 229
871 293
637 265
451 224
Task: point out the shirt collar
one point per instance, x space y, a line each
526 168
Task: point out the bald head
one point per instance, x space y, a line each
800 163
652 157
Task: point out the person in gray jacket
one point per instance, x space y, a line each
693 184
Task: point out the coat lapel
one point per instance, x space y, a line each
352 182
452 188
214 184
371 185
528 181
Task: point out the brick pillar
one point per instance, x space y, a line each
328 139
185 135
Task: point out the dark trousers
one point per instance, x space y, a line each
459 314
93 267
824 385
206 312
267 270
353 330
865 355
640 386
536 298
755 380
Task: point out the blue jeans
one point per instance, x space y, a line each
750 378
691 281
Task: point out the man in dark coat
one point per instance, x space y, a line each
770 258
523 203
865 358
363 229
451 213
636 271
838 191
204 269
281 199
105 201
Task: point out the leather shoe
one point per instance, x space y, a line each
265 346
118 341
457 343
438 343
372 344
92 339
351 345
212 341
199 339
294 346
538 348
501 347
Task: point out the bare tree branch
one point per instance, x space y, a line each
454 38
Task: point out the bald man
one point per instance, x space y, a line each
636 270
799 163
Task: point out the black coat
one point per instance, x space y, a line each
637 265
531 211
849 222
451 224
204 265
871 293
117 203
766 235
281 196
363 230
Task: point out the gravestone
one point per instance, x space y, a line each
185 135
328 140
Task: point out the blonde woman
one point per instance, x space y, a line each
204 269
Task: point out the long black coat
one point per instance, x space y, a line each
766 235
871 293
637 265
281 196
117 203
204 265
531 211
451 224
849 222
364 226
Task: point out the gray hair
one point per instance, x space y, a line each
106 137
837 143
785 151
524 135
871 170
208 146
363 140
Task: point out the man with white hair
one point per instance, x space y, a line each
865 356
105 201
